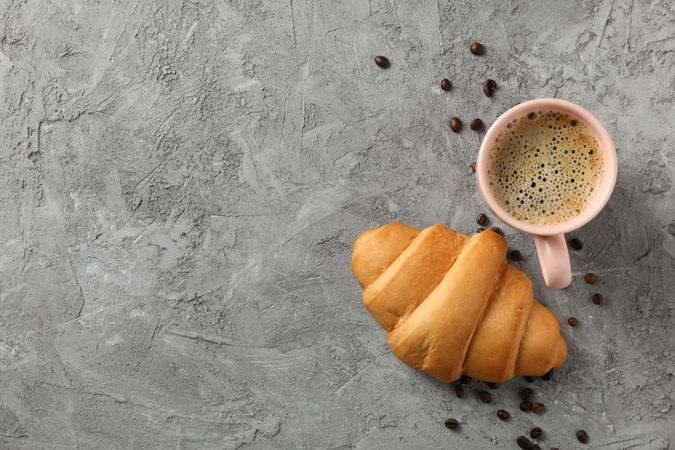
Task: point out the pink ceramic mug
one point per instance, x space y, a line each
549 239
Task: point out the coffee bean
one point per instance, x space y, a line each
572 321
465 379
555 448
455 124
573 122
480 230
477 125
477 48
481 219
485 396
473 167
516 255
445 84
527 394
548 375
526 406
535 447
536 433
503 415
382 61
524 443
582 436
452 424
528 378
493 385
497 230
489 87
538 408
597 299
591 278
459 391
576 244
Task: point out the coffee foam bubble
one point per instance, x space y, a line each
544 167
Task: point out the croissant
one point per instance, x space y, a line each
452 305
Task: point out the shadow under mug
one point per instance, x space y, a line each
549 239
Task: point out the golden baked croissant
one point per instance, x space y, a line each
452 305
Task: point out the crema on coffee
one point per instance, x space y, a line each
545 167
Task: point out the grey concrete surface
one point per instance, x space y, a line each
181 184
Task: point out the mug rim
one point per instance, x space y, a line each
605 144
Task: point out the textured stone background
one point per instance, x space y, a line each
182 182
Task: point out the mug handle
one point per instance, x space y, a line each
554 259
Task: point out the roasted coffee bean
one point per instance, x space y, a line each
473 167
535 447
591 278
582 436
445 84
489 87
451 424
548 375
597 299
481 219
485 396
465 379
536 433
516 255
524 443
572 321
528 378
493 385
459 391
503 415
497 230
555 448
382 61
538 408
576 244
455 125
477 48
527 394
526 406
480 230
477 125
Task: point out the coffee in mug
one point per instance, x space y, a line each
545 167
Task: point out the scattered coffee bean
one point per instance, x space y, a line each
477 125
597 299
573 122
538 408
465 379
536 433
526 406
382 61
459 391
572 321
535 447
477 48
582 436
473 167
445 84
591 278
493 385
528 378
527 394
481 219
548 375
497 230
480 230
455 124
524 443
516 255
503 415
489 87
485 396
576 244
555 448
452 424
